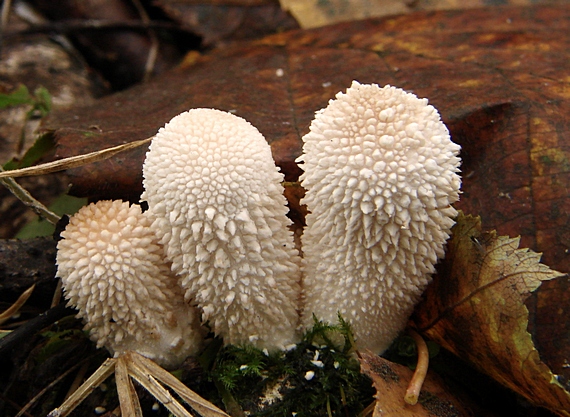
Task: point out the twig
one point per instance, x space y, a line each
5 13
72 161
149 382
9 312
153 50
76 25
100 375
198 403
57 293
413 391
14 405
4 20
50 386
28 14
130 404
25 197
367 412
32 326
77 381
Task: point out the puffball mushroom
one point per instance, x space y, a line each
113 271
381 173
215 193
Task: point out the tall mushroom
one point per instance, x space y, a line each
215 194
381 174
113 270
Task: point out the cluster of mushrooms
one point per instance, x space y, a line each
214 246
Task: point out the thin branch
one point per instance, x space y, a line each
5 15
57 293
25 197
73 161
198 403
76 25
50 386
14 405
153 50
32 326
6 314
100 375
77 380
145 377
130 404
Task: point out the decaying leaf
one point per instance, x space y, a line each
497 76
391 380
228 20
476 309
315 13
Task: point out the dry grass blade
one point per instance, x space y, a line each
144 377
24 410
25 197
198 403
100 375
13 309
72 161
130 405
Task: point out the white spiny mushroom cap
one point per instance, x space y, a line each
113 270
213 187
381 174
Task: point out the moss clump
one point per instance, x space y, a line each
320 376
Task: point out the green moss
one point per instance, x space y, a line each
320 376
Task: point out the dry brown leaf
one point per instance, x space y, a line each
391 381
219 21
498 76
316 13
476 309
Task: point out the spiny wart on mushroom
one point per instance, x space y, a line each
381 173
217 201
114 272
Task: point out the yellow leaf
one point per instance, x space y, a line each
475 308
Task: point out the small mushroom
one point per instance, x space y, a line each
216 196
381 173
113 271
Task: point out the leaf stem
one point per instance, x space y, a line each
413 391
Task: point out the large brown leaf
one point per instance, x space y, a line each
315 13
475 308
498 76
